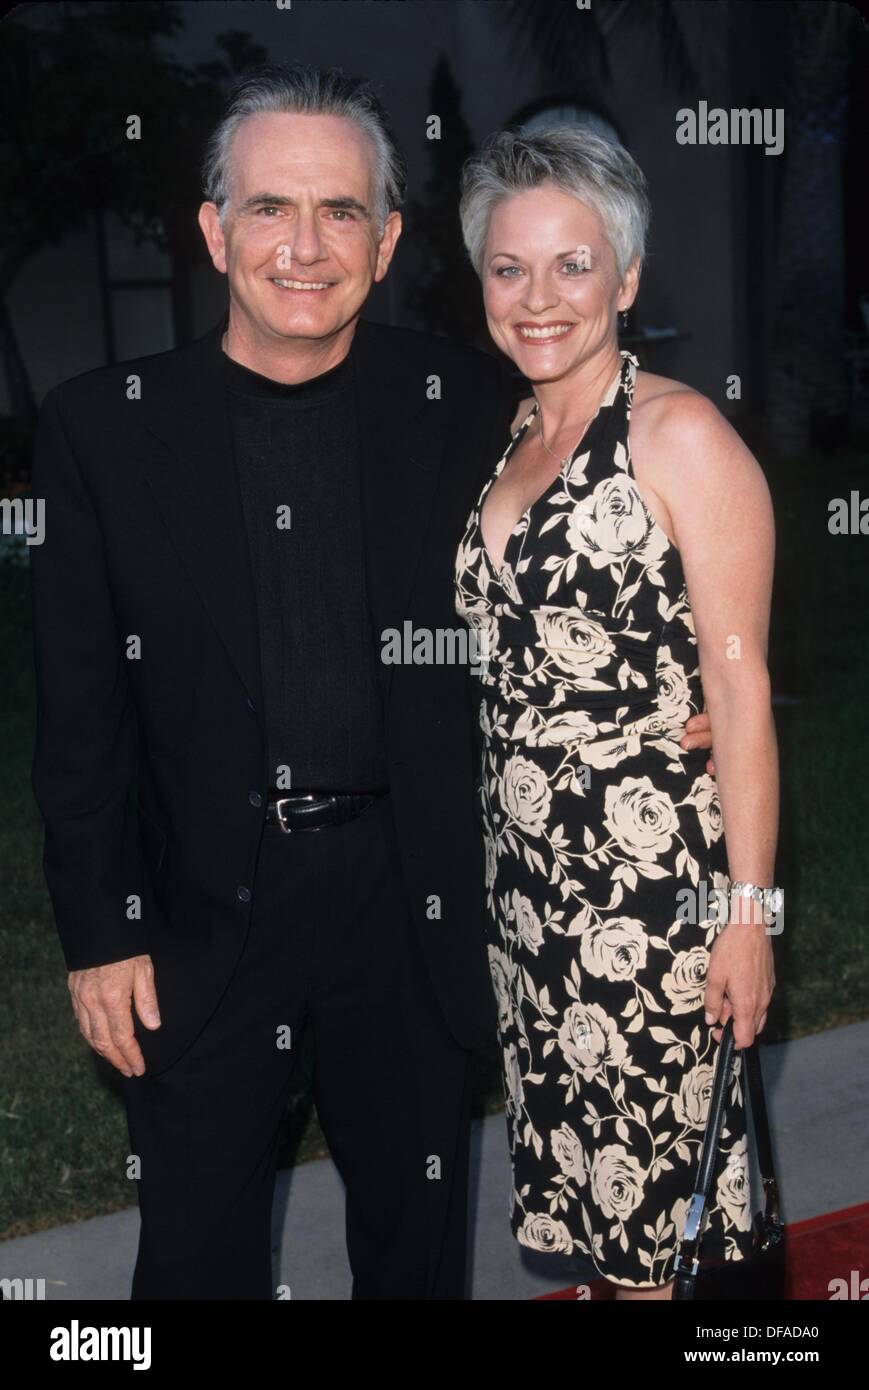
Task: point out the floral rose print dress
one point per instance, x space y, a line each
600 834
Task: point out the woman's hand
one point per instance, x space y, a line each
740 981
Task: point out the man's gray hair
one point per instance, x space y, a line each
302 87
597 171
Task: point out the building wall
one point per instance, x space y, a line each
54 305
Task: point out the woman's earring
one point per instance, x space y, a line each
624 314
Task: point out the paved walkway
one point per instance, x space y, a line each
818 1095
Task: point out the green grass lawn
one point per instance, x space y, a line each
63 1138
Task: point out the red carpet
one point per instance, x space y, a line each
817 1251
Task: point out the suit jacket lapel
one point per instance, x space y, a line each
195 484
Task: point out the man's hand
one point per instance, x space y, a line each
698 734
101 1003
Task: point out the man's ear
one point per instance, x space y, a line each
209 221
392 229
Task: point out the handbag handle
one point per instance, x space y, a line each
768 1224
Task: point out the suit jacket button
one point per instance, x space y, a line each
243 894
255 798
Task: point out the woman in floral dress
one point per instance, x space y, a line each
622 547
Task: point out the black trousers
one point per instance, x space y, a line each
331 946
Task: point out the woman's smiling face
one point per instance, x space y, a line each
551 285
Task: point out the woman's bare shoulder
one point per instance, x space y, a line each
656 395
670 411
679 434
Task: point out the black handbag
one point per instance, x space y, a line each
759 1275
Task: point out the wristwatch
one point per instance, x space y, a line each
771 899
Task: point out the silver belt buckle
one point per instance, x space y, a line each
282 801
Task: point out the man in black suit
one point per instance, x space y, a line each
231 529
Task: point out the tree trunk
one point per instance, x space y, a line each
809 396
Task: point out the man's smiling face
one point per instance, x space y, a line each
299 237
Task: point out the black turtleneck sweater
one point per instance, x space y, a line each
297 452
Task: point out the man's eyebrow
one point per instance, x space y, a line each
281 200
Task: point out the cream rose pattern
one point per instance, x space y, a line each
528 924
614 525
596 826
708 808
685 981
568 1154
616 948
576 645
640 818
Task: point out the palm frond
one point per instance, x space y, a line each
573 45
568 43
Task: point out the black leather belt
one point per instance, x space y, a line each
317 810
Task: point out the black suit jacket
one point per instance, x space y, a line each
150 765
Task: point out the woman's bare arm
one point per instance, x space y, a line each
722 522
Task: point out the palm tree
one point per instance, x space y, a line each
445 294
808 394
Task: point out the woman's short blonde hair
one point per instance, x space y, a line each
597 171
